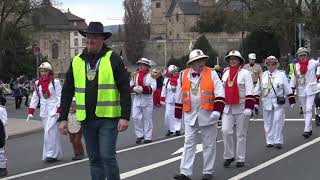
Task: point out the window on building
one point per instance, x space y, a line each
75 33
170 33
76 42
177 17
178 36
75 23
83 41
76 52
158 5
55 51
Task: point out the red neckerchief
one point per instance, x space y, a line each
232 93
174 80
44 82
141 75
303 65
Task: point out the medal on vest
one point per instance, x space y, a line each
301 80
45 95
91 73
230 83
195 89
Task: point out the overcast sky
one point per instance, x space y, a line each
104 11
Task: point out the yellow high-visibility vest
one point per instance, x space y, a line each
291 70
108 101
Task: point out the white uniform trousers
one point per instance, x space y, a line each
208 138
3 158
242 122
142 119
273 125
52 142
171 123
307 103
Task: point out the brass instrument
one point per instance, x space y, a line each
156 73
133 75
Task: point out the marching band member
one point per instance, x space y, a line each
239 104
3 137
48 92
200 96
272 84
168 98
143 87
254 68
305 83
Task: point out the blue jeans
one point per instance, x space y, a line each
101 139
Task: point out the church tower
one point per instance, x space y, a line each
159 9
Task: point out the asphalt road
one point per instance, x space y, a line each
298 159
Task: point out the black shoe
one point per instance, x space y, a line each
139 140
169 133
177 133
317 120
301 111
278 146
207 177
51 160
181 177
147 141
78 157
227 162
240 164
307 134
3 172
269 145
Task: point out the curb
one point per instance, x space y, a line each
25 133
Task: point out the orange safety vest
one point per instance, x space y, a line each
206 90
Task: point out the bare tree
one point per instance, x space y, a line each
136 22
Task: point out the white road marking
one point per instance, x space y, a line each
285 119
86 159
158 164
274 160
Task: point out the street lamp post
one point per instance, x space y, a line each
165 50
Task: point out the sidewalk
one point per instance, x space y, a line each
19 127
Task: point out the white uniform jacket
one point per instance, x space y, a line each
197 113
309 86
142 100
3 115
245 86
265 91
47 106
169 91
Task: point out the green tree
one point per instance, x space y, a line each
262 43
203 44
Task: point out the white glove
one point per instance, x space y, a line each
292 105
162 103
247 112
29 117
256 106
215 115
138 89
57 115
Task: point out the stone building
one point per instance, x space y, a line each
176 19
174 24
52 34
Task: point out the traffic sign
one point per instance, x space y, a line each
36 50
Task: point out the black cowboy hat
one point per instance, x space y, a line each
95 28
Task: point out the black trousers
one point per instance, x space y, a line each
18 100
